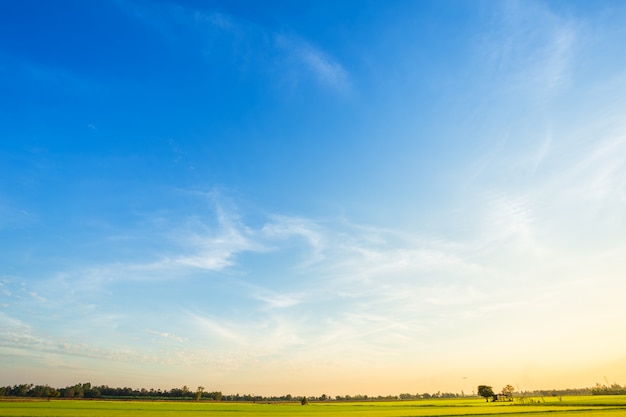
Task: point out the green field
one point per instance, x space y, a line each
596 406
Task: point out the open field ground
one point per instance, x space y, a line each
596 406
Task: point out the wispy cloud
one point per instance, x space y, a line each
167 336
346 268
214 248
601 171
542 152
37 296
253 46
511 218
280 228
219 20
366 293
326 70
4 290
531 47
20 337
217 329
277 300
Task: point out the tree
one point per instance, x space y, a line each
485 391
508 391
199 393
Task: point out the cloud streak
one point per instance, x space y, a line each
325 69
253 46
531 48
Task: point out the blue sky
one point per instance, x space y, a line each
313 197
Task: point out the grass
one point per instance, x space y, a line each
592 406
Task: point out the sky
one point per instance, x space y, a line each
313 197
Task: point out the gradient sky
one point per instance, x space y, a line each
308 197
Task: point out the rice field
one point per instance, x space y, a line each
595 406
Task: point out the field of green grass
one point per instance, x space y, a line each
596 406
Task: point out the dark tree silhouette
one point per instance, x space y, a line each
485 391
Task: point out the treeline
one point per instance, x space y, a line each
613 389
554 392
438 394
29 390
86 390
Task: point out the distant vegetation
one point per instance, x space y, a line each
613 389
87 390
581 406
